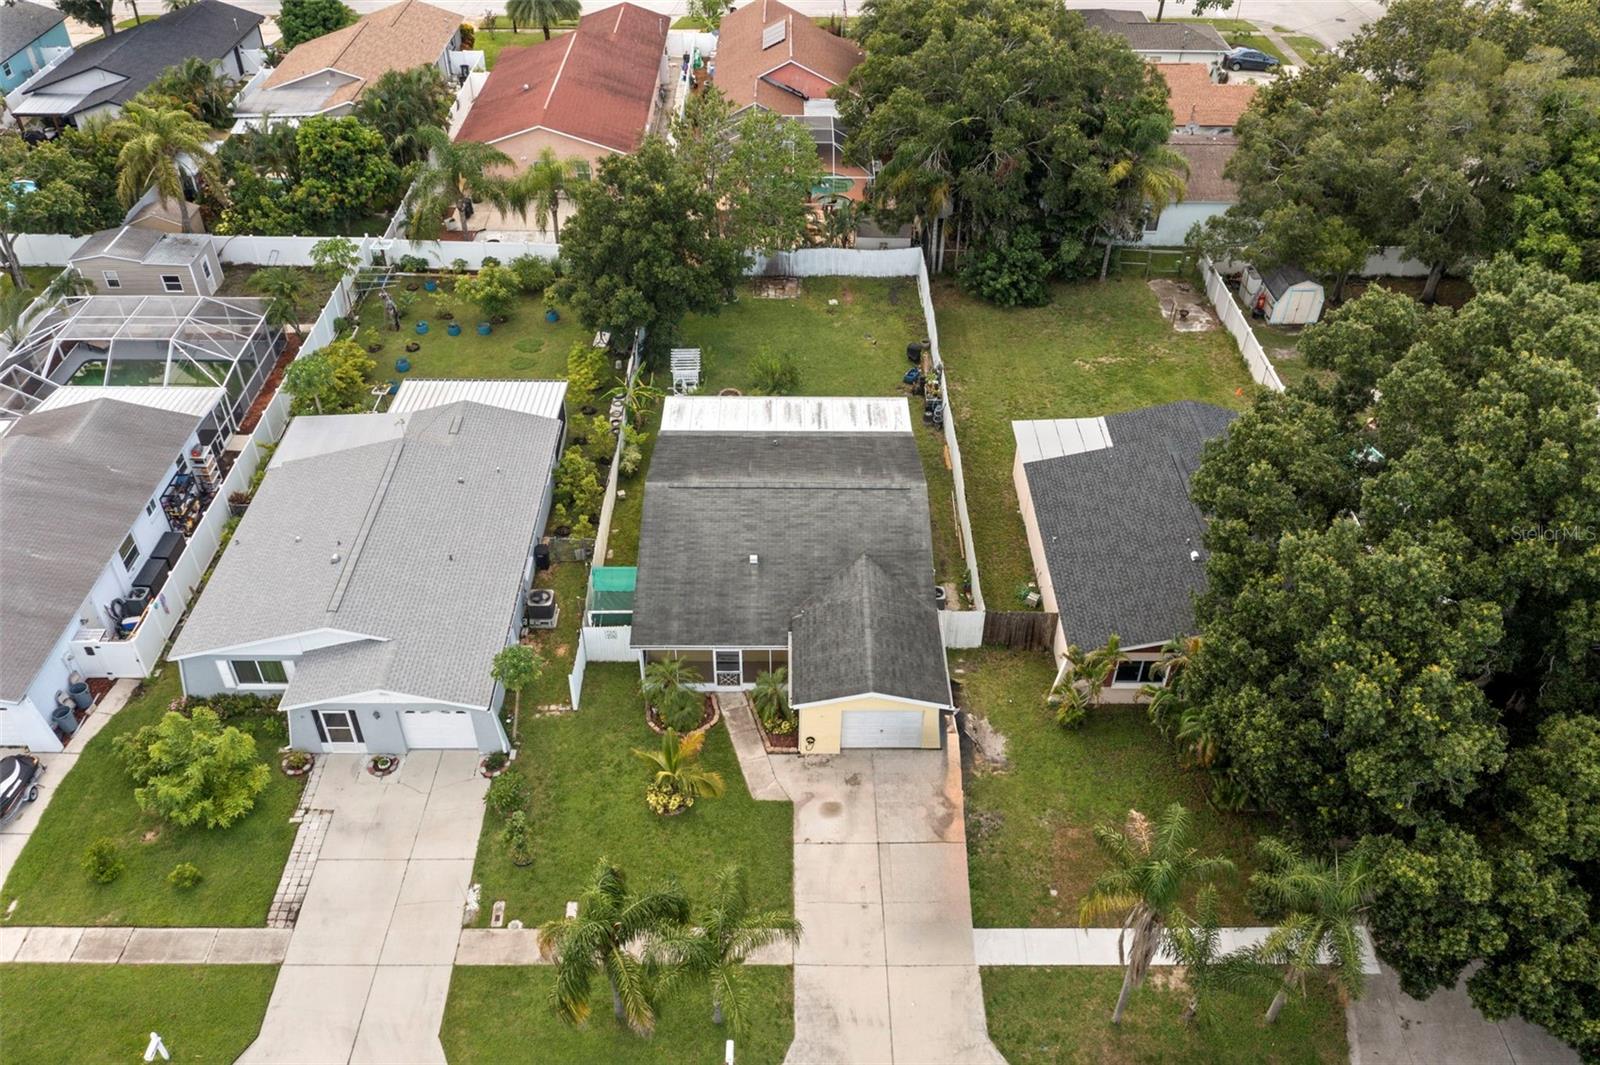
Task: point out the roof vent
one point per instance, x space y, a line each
524 86
333 559
1194 556
754 559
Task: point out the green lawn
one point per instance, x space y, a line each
558 645
73 1014
587 802
526 346
236 282
1095 349
35 278
241 864
1240 33
490 38
1306 46
622 544
1059 1016
497 1014
1030 827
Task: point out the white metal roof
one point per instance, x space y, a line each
786 414
1056 437
182 399
311 435
544 398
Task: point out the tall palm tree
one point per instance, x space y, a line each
541 13
1145 183
1196 944
1151 866
454 174
726 935
158 140
678 768
1323 903
839 222
287 289
611 922
204 93
402 103
14 304
540 188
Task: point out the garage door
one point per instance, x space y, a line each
433 729
880 728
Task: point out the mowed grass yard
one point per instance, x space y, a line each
1062 1016
586 802
498 1014
77 1014
240 864
1030 826
1094 349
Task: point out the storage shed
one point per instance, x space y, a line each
1286 295
133 261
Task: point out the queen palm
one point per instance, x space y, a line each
287 289
1152 864
542 13
540 188
157 140
726 934
612 923
454 173
1323 903
1196 944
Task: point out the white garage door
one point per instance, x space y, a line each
880 728
433 729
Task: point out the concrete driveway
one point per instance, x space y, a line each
885 971
1389 1027
368 965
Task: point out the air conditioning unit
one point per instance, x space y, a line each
541 610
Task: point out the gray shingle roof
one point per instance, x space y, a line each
432 531
72 483
1143 35
865 632
1118 526
141 245
1280 280
806 504
22 23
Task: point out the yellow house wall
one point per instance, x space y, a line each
823 722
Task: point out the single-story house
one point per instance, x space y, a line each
1285 295
381 566
135 261
1207 192
584 95
790 532
328 74
1159 42
1116 543
31 36
1199 103
103 75
96 489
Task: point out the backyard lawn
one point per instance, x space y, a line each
1095 349
68 1014
495 1014
36 277
586 801
1030 825
524 347
240 864
1059 1016
236 282
558 645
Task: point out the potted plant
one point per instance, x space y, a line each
237 502
679 778
297 763
381 765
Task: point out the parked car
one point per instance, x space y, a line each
1248 59
19 784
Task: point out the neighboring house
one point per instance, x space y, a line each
1116 543
788 532
1207 194
327 75
1159 42
1199 104
1287 295
96 487
134 261
103 75
31 36
382 565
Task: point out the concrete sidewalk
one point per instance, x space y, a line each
1098 946
145 946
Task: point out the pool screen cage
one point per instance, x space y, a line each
611 595
204 341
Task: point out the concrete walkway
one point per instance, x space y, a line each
1098 946
754 761
1386 1026
145 946
367 967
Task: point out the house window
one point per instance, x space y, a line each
1143 671
172 282
337 726
205 268
150 507
254 672
129 553
111 279
5 68
1152 221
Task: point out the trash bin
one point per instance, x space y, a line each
64 720
81 697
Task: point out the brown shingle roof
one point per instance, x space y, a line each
596 83
1207 156
405 35
804 64
1196 98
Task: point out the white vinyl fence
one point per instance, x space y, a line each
1233 319
609 643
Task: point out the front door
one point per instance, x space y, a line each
729 669
339 731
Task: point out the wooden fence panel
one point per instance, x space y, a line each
1021 630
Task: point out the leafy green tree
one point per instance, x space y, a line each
158 143
192 770
678 772
709 12
1557 212
585 366
599 942
515 667
346 170
401 103
578 487
334 257
311 381
303 20
493 288
100 13
331 380
541 13
454 175
1319 905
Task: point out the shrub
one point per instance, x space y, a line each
102 862
1009 272
681 709
586 366
533 274
469 36
663 800
496 761
632 459
507 792
193 770
517 838
578 486
602 438
583 528
493 289
184 876
774 375
341 326
411 264
489 260
296 760
460 266
771 700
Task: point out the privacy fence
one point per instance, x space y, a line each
1233 319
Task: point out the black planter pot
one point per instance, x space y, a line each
589 409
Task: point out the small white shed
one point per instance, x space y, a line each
1286 295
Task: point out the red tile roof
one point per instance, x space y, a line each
1196 98
596 83
806 63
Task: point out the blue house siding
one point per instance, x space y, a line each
18 68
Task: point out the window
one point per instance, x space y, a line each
337 726
1145 671
111 279
150 507
172 282
5 68
251 672
129 553
205 268
1152 220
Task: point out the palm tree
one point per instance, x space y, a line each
402 103
599 941
1323 903
1082 681
1152 865
454 174
1194 943
157 142
727 934
14 320
837 227
67 283
1144 184
770 696
541 13
678 768
638 401
203 92
541 186
288 289
664 677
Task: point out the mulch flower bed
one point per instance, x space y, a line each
710 717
